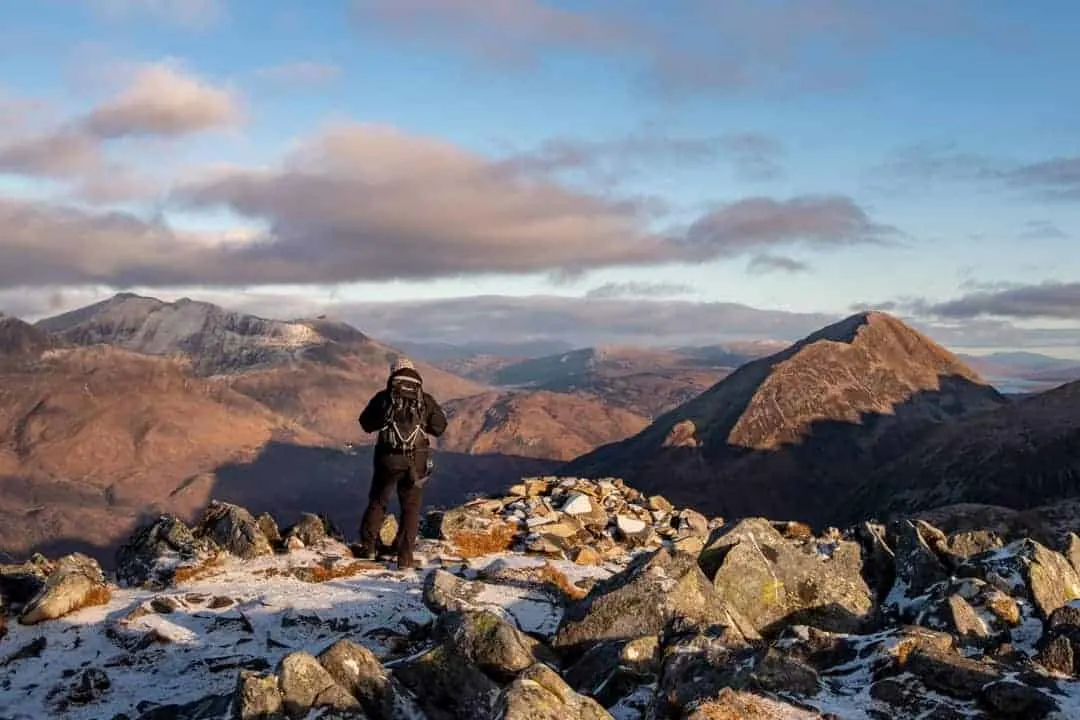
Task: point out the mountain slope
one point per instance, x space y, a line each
21 341
318 373
537 424
1019 456
787 435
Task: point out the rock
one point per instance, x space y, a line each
446 687
965 620
306 685
973 542
918 567
445 592
1007 699
949 673
517 491
653 590
577 504
696 667
234 530
1056 654
734 705
777 673
585 555
293 543
310 529
630 526
357 670
258 697
388 532
91 687
1029 570
269 527
165 604
156 551
659 503
772 582
691 522
535 487
691 545
487 641
540 694
1072 551
75 583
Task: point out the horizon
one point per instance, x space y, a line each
590 172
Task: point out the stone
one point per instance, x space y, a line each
691 522
92 685
653 590
918 567
356 669
156 550
487 641
269 528
540 694
388 531
445 592
659 503
76 582
577 504
447 687
585 555
306 685
772 582
691 545
630 526
1030 570
1009 699
309 529
518 490
294 544
258 697
233 529
965 620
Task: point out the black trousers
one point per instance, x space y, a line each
387 478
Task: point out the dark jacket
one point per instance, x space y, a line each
371 420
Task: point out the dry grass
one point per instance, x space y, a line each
550 575
322 573
97 595
472 543
187 573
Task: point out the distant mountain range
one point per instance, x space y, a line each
134 406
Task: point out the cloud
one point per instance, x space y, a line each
1047 300
639 289
753 156
301 72
765 263
193 14
760 222
716 45
1048 179
161 100
1043 230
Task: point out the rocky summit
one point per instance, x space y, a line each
563 599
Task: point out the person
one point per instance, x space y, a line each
403 414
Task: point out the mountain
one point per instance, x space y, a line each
21 341
94 438
1019 456
538 424
788 435
645 381
443 352
316 372
1023 372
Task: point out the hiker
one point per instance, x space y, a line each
403 414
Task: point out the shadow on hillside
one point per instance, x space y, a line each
826 477
287 479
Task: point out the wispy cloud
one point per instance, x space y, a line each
718 45
639 289
1046 300
766 263
1042 230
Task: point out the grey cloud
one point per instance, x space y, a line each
752 155
721 45
1051 179
363 202
760 222
1048 300
639 289
65 153
765 263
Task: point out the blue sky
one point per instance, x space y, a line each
920 157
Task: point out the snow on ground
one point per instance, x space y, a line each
196 650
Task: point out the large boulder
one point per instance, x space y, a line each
448 687
772 581
357 670
484 639
76 582
157 550
539 693
306 685
654 590
234 530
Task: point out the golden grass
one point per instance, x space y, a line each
322 573
97 595
187 573
473 543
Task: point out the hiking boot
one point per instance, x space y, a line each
406 561
362 551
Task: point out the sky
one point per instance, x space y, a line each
691 171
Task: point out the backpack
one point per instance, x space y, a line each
403 426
